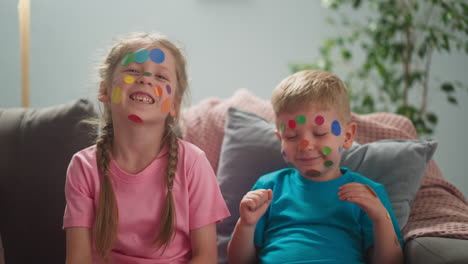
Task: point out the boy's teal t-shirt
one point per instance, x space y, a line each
307 223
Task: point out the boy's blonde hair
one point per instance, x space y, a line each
105 225
312 87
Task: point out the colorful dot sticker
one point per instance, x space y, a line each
158 91
395 239
283 153
340 149
135 118
128 58
141 56
326 150
336 128
304 143
129 79
147 74
157 55
319 120
292 124
116 95
328 163
166 105
291 165
388 216
168 89
282 127
301 119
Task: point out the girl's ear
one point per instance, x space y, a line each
103 94
350 133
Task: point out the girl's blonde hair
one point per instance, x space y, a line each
106 221
311 87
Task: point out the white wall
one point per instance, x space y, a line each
231 44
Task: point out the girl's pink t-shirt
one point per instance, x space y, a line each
140 198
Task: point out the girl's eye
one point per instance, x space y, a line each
159 76
132 71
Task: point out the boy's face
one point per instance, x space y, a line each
312 141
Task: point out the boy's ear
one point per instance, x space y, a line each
103 94
277 134
350 133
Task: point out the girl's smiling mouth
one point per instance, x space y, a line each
142 97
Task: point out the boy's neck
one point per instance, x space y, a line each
318 177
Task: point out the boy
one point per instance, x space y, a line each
315 212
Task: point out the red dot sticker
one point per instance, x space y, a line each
304 143
292 124
135 118
319 120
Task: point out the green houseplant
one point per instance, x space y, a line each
396 40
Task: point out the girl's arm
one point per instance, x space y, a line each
204 248
79 245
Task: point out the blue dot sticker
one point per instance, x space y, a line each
141 56
336 128
157 55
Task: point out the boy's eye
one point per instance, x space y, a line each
319 134
132 71
290 137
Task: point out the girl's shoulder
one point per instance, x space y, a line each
187 148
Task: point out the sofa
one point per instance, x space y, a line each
236 135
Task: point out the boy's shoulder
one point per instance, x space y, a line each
357 177
274 177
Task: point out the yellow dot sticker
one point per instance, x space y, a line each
116 95
395 239
166 105
129 79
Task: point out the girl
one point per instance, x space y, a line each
141 195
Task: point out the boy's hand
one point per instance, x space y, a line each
253 205
365 198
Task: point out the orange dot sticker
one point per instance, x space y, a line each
388 216
116 95
304 143
395 239
166 106
129 79
158 91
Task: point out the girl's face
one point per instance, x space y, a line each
312 141
143 86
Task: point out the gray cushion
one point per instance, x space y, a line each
36 147
251 149
436 250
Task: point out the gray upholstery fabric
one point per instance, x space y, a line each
251 149
436 250
36 147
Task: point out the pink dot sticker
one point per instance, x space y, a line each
135 118
292 124
319 120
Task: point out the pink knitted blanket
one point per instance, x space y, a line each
439 208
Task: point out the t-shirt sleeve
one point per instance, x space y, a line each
79 210
207 204
367 224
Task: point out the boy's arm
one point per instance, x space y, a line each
241 248
386 247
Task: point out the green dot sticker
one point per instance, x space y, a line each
147 73
301 119
128 58
326 150
282 126
328 163
291 165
